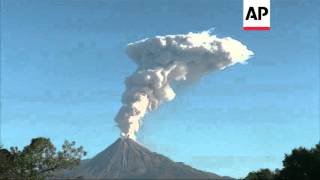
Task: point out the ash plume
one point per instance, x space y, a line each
161 61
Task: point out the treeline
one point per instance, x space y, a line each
301 164
38 160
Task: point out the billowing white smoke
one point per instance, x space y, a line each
164 59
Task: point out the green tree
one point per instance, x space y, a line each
38 160
262 174
301 164
6 164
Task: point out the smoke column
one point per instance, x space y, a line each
161 61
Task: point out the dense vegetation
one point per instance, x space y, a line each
301 164
38 160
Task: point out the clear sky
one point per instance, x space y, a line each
63 66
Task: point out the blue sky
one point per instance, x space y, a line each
63 66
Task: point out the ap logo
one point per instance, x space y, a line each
256 14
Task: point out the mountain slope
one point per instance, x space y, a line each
125 158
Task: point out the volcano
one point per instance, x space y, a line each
125 159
